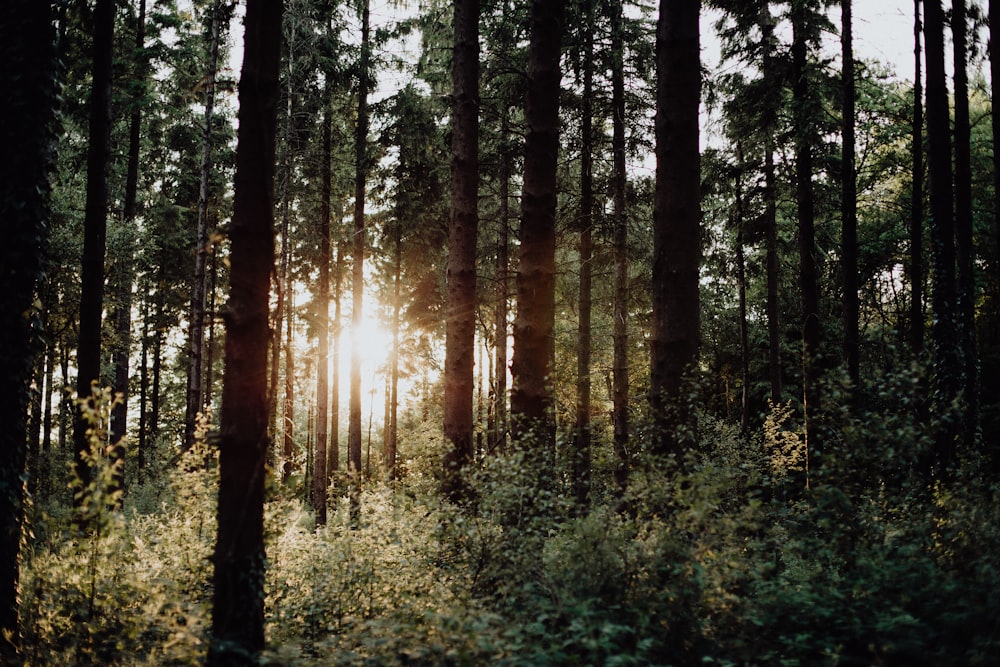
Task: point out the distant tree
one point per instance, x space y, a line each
321 477
462 237
238 595
917 197
531 399
27 45
674 338
849 200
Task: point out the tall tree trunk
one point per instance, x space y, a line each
849 203
582 440
238 597
358 270
771 214
674 338
965 251
154 402
88 356
213 284
531 400
943 295
123 278
288 407
917 200
803 99
143 444
196 326
499 444
27 45
741 279
333 461
462 234
619 384
392 426
323 319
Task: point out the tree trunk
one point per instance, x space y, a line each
917 200
943 296
531 401
143 444
965 251
358 270
333 462
288 407
674 337
27 44
196 330
620 384
213 284
462 234
397 304
503 285
849 204
238 596
741 279
803 99
323 320
582 440
88 356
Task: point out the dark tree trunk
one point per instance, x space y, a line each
358 270
771 217
674 338
288 406
582 439
849 203
27 45
213 284
393 395
803 99
619 383
917 201
943 295
503 285
238 597
965 250
196 330
88 356
333 461
994 48
741 279
323 320
462 234
143 444
531 399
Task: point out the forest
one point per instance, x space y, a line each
497 332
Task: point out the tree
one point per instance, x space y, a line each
196 325
462 237
531 398
804 37
917 197
965 252
88 356
674 338
947 364
321 477
238 596
849 201
27 43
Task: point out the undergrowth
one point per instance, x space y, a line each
716 561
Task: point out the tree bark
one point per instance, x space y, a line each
392 426
531 400
674 338
333 453
849 203
965 251
88 356
27 45
238 596
741 279
620 380
196 326
503 285
323 320
943 295
917 200
771 216
462 235
358 271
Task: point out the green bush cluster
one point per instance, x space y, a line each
722 558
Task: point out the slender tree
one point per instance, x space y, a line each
965 252
917 199
849 200
238 596
27 44
619 382
462 236
531 399
947 370
88 356
674 337
358 271
196 325
323 318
